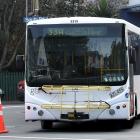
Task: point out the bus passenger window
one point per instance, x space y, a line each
134 41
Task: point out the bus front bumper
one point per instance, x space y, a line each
85 111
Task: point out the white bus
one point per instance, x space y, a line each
82 69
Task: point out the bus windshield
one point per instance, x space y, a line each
76 54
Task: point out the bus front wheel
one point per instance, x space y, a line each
46 124
128 124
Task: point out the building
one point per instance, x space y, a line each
131 12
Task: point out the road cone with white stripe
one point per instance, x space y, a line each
2 126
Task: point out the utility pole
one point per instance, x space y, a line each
26 8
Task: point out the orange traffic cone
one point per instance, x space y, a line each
2 126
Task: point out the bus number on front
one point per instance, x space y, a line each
55 32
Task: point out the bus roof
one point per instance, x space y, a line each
84 20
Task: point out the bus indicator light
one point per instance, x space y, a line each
34 108
117 107
28 107
124 105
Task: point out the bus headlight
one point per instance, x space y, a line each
116 92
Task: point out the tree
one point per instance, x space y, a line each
47 8
61 8
11 31
101 8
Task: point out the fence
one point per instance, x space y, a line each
8 83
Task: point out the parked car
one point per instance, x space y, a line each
20 90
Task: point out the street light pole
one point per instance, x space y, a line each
36 7
33 6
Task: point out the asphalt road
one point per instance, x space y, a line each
20 130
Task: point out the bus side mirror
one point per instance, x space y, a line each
132 55
20 63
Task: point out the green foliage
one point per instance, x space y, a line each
47 8
62 8
11 31
100 9
3 37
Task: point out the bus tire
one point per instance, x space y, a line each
46 124
128 124
136 114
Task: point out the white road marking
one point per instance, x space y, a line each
44 138
12 106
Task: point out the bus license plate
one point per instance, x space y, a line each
75 116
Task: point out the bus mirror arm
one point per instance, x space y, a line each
132 55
